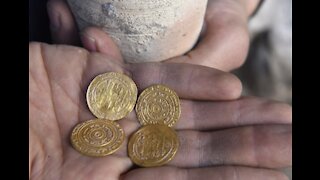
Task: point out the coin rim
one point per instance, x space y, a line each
134 136
139 110
132 104
76 131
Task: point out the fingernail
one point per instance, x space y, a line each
88 42
54 17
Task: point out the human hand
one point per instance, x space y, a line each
239 139
223 43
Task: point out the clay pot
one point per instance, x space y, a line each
144 30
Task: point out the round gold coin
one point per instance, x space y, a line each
153 145
111 96
158 104
97 137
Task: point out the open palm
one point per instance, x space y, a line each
218 139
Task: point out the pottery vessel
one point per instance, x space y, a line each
144 30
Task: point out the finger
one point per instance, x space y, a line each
266 146
222 173
225 40
62 24
225 114
96 40
189 81
250 6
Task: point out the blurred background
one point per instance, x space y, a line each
267 71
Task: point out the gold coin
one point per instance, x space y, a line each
153 145
111 96
158 104
97 137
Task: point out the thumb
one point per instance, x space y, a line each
96 40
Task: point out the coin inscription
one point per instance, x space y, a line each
111 96
97 137
158 104
153 145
